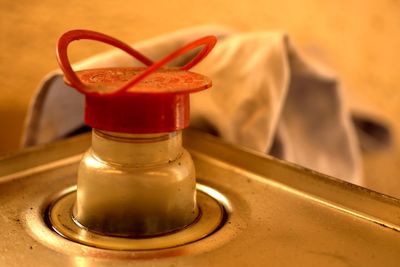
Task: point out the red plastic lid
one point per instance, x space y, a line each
151 99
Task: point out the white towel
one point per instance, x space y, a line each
265 96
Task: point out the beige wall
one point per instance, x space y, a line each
360 39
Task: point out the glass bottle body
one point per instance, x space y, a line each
136 184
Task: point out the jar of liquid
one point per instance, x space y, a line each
136 184
136 180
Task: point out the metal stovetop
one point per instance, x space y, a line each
281 214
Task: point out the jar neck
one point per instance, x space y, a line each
136 149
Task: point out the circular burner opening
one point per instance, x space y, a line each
214 211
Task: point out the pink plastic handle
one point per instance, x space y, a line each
208 42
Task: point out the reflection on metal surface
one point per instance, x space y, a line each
213 213
81 262
327 203
281 214
41 168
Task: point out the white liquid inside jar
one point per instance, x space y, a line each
136 185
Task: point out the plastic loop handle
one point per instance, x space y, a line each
208 42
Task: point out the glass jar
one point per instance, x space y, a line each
136 184
136 179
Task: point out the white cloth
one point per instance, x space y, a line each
265 96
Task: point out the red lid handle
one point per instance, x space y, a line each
208 42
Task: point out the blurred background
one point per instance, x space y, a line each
359 40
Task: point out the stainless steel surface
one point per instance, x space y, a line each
213 213
281 214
